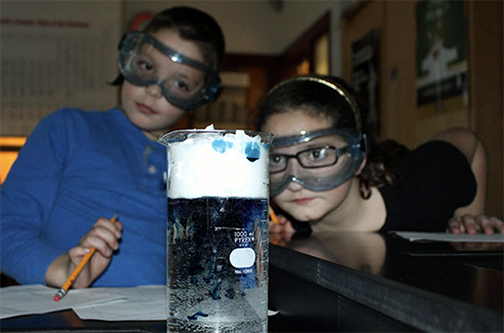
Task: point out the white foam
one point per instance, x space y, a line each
214 165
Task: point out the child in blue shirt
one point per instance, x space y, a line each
79 168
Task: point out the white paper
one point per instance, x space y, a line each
37 39
108 304
36 299
143 303
448 237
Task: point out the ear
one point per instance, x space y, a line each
362 165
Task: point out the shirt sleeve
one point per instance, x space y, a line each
27 197
436 179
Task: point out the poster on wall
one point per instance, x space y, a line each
365 77
441 54
56 54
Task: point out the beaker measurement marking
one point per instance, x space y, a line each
244 236
227 228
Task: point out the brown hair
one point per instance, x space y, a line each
330 97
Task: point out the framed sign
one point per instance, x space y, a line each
365 64
441 55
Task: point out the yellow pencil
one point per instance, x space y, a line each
273 216
62 292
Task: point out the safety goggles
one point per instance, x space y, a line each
319 167
184 82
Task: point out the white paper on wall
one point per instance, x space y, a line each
56 54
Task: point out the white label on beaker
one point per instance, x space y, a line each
242 257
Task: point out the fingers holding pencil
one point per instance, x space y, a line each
274 226
103 236
95 251
280 223
273 215
281 233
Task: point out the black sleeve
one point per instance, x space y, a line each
436 179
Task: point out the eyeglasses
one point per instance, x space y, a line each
310 158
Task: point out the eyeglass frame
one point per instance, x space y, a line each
338 154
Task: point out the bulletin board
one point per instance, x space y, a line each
56 54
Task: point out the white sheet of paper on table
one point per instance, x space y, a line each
38 299
143 303
108 304
448 237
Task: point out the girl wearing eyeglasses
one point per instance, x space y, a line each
327 170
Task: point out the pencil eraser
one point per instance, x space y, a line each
57 297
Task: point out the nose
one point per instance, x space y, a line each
294 186
154 90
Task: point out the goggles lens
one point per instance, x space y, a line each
320 168
310 158
184 82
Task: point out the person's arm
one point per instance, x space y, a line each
27 197
474 151
472 218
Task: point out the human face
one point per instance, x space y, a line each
185 82
328 156
301 203
146 107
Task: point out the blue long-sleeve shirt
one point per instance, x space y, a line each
75 167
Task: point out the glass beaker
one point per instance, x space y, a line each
217 230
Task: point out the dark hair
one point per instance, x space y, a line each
193 25
330 97
314 97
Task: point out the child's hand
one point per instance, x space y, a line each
104 236
475 224
281 234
